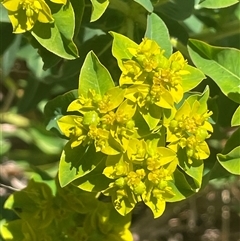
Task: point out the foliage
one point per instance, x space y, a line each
145 128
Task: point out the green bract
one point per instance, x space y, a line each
85 219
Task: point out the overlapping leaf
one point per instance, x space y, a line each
221 64
94 76
158 31
57 37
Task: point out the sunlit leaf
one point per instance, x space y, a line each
94 181
191 80
157 206
77 162
152 116
217 4
98 8
94 76
147 4
194 170
120 47
57 37
57 107
158 31
231 161
236 117
180 187
221 64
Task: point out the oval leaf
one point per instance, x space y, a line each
191 80
77 162
57 37
158 31
231 161
57 107
236 117
217 4
175 9
120 47
147 4
94 76
98 8
221 64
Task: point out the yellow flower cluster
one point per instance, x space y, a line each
154 79
143 174
104 120
189 129
23 14
129 124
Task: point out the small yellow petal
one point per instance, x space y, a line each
11 5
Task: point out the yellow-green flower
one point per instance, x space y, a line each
189 129
23 14
160 76
106 121
142 174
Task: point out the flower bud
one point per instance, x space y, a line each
139 189
91 118
120 182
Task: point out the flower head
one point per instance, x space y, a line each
189 129
153 78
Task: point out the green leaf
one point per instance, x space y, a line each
178 10
120 47
236 117
194 170
57 107
28 203
147 4
237 11
232 142
57 37
152 116
157 206
10 54
77 162
190 81
94 181
155 25
98 8
221 64
94 76
231 161
78 8
33 60
50 38
180 187
217 4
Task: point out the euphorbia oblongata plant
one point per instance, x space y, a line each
142 137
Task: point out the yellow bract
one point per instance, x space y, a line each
161 76
24 13
104 120
188 129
